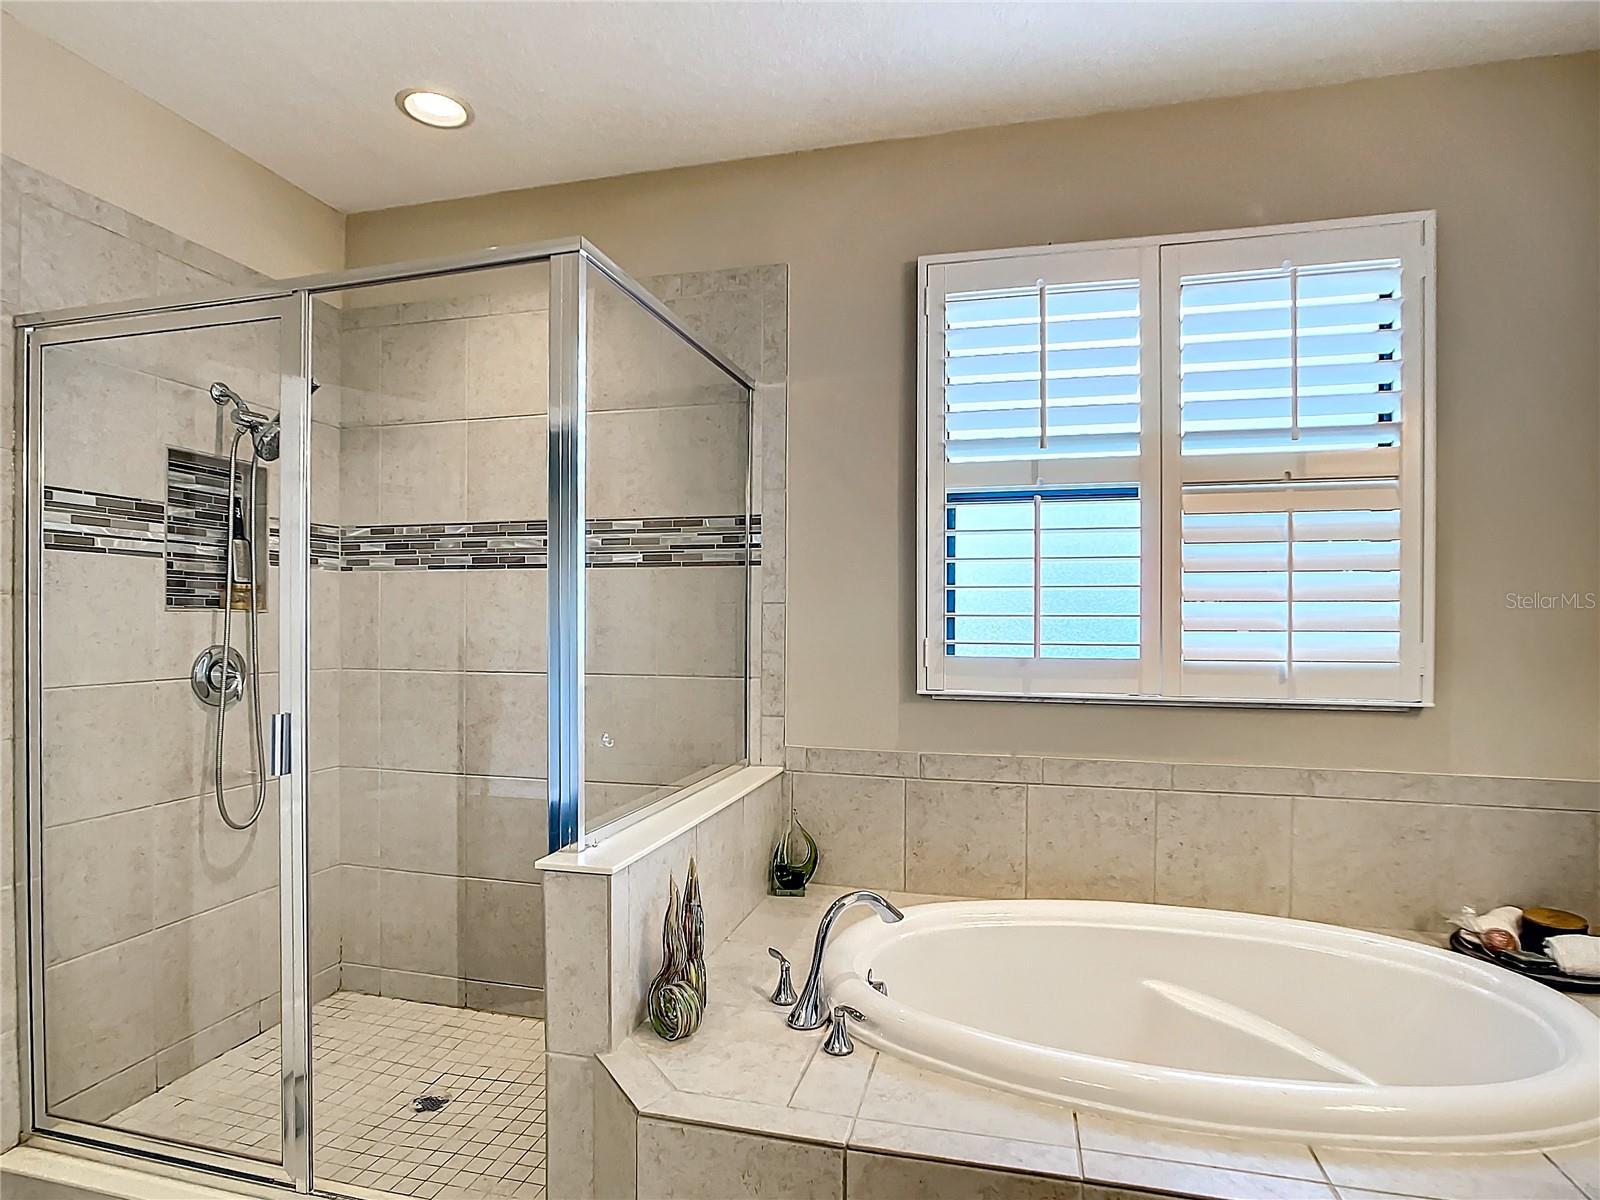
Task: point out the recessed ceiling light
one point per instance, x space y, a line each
435 109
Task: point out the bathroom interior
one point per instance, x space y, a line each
763 612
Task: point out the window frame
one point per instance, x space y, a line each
1159 474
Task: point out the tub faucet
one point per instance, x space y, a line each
810 1011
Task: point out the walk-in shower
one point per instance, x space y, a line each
483 592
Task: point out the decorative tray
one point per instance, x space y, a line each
1466 943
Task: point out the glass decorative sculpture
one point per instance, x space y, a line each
789 875
677 997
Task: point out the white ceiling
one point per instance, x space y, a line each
569 91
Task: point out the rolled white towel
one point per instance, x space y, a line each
1575 953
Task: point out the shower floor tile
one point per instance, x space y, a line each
374 1055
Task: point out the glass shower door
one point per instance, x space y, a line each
163 868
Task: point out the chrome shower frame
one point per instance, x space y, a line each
290 304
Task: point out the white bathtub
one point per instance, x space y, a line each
1227 1022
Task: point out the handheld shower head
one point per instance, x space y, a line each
263 430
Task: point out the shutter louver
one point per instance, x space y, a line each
1046 372
1292 590
1297 358
1049 574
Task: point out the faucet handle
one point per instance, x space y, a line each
877 985
784 992
839 1043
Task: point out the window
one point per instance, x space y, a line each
1181 469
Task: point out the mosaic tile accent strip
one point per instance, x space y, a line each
102 523
374 1055
500 545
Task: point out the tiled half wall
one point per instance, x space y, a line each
1365 848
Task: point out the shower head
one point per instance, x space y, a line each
263 429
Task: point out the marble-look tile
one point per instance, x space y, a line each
448 990
1091 843
1581 1164
1055 1160
508 365
692 1162
982 768
666 621
421 620
1223 851
505 998
1187 1179
894 763
1107 773
99 1103
1142 1140
360 713
359 601
66 261
725 869
576 940
507 468
210 966
893 1177
423 372
197 862
661 728
1456 789
1449 1176
640 1079
902 1094
361 934
360 470
570 1146
740 1053
654 462
116 721
966 838
859 822
1267 781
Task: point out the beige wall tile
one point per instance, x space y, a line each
421 620
508 364
422 473
654 463
360 712
506 619
97 883
986 768
199 863
86 728
423 371
647 891
861 762
502 935
889 1177
1091 843
723 863
420 923
66 261
210 966
421 721
507 465
859 822
1107 773
569 1096
966 838
360 920
360 463
88 1040
692 1162
616 1139
505 827
505 998
359 618
666 621
662 727
421 822
1223 851
360 817
449 990
577 924
505 724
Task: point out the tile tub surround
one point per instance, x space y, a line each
604 909
749 1107
1376 849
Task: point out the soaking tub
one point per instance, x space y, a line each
1226 1022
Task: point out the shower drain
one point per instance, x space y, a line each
429 1103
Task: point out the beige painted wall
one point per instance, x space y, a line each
1509 155
71 120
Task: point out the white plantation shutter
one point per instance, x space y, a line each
1041 379
1293 591
1191 469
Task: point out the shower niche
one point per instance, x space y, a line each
487 588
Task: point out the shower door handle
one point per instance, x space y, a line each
280 746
